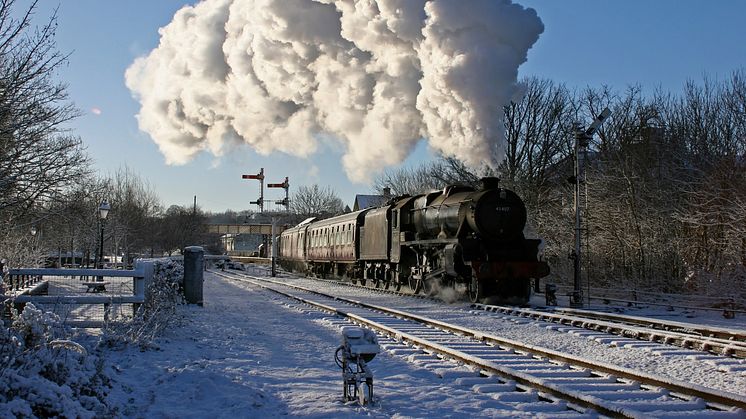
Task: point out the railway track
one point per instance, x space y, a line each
516 371
708 339
713 340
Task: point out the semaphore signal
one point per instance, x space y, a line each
260 178
284 185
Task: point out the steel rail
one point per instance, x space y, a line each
715 340
580 399
712 397
671 333
713 332
725 301
645 330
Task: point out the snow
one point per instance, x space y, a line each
248 353
252 353
676 367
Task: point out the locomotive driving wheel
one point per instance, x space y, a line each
476 290
421 286
414 284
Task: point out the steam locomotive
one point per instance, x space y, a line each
458 237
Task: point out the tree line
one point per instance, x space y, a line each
665 205
666 194
47 186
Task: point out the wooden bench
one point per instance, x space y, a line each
96 286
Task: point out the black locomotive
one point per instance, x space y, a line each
455 236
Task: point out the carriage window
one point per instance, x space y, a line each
395 221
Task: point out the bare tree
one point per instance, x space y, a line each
405 181
315 201
39 160
538 134
37 157
180 227
134 206
70 223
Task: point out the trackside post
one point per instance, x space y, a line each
194 268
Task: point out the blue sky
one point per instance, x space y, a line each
654 43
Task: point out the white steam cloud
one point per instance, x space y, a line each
376 74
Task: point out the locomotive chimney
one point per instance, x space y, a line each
490 183
387 192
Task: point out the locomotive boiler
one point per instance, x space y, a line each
457 237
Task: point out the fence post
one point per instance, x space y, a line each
141 286
194 261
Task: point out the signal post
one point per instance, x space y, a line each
260 177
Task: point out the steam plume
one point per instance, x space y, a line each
376 74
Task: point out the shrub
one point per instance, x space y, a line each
44 375
163 295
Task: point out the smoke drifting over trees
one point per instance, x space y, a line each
666 182
377 75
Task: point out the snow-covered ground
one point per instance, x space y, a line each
248 353
678 314
252 353
680 364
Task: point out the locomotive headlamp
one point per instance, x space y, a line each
359 346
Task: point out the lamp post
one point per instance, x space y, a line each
103 211
32 230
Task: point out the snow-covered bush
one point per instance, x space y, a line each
43 374
164 293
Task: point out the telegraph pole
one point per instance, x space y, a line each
582 138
